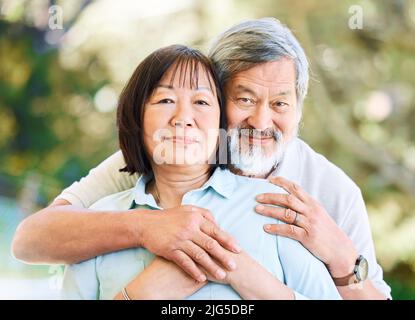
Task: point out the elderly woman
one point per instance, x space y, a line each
169 116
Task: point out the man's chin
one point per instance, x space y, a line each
267 150
259 166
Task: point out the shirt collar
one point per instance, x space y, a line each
222 181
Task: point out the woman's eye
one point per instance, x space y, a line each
202 102
166 101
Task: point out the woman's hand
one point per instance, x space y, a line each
190 237
161 280
309 223
253 281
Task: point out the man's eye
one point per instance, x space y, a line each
245 101
280 104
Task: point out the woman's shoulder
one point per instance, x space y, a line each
244 183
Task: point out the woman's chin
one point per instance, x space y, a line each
189 156
187 160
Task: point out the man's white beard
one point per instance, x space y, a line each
254 161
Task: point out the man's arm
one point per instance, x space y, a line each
65 234
101 181
310 224
186 235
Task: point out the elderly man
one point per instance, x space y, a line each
264 73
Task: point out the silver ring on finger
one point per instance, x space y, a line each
296 219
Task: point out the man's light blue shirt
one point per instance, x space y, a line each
231 200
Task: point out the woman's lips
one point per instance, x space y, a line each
181 139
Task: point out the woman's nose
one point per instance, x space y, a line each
182 123
183 116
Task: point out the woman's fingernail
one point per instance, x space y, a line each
260 207
267 227
260 197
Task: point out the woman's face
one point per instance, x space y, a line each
181 119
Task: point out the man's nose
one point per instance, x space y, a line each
183 117
261 117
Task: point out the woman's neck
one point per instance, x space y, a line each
171 183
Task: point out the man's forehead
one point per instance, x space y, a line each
243 83
257 87
268 74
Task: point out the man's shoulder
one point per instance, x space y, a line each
317 166
117 201
327 183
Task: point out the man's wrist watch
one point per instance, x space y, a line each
359 273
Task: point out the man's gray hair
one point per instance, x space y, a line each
257 41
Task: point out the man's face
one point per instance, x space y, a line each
263 116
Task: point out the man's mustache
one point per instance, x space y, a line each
255 133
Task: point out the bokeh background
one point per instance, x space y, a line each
59 88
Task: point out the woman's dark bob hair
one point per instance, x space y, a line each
130 112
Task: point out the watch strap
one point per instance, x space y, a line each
351 278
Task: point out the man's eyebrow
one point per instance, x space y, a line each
241 88
246 89
283 93
167 86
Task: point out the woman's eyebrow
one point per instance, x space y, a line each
167 86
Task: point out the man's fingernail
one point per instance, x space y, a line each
260 197
260 207
201 278
237 248
267 227
220 274
232 265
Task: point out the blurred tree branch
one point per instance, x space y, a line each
338 127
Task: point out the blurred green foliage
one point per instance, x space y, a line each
57 106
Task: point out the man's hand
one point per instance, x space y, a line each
188 236
309 223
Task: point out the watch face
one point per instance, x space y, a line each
362 268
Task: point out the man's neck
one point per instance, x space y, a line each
239 172
172 182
